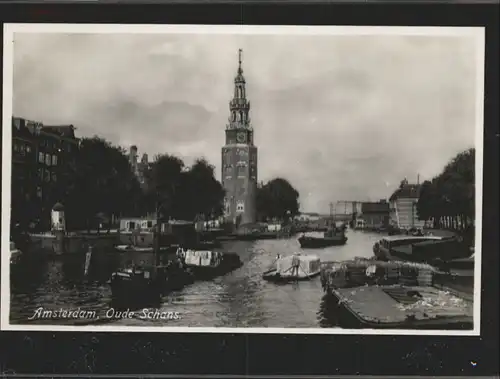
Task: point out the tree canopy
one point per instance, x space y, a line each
277 199
101 183
184 193
451 193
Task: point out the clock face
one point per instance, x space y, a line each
241 137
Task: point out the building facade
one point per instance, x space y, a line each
403 206
375 214
239 158
43 162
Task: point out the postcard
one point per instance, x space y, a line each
242 179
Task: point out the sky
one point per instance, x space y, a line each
340 117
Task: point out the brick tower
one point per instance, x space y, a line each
239 158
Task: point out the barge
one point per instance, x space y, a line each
332 237
143 286
309 267
384 248
207 263
394 295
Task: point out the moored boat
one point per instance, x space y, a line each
383 248
139 249
136 285
208 263
282 272
332 237
378 294
433 251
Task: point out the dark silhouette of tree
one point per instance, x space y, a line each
450 197
187 194
204 195
164 185
277 199
102 185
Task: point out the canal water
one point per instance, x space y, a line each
238 299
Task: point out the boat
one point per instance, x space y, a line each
384 247
139 249
433 251
136 285
332 237
208 263
396 295
309 267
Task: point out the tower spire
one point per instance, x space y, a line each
239 106
240 70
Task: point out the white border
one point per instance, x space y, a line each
10 29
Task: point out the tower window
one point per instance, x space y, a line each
242 169
240 206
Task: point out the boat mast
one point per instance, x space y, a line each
156 235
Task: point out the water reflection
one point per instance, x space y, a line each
238 299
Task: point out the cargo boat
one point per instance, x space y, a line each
384 248
139 249
136 286
394 295
208 263
434 252
309 267
330 238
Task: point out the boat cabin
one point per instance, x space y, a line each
200 258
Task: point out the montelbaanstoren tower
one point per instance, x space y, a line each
239 157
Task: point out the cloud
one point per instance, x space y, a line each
338 116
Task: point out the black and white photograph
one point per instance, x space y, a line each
260 179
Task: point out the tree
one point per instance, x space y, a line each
185 194
164 184
450 197
426 204
102 184
204 194
277 199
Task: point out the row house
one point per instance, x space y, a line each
43 158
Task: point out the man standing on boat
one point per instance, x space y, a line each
295 264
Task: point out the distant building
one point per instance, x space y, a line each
138 168
403 205
43 162
132 158
239 158
307 217
375 214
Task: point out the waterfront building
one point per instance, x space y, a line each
43 160
375 214
403 206
239 158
